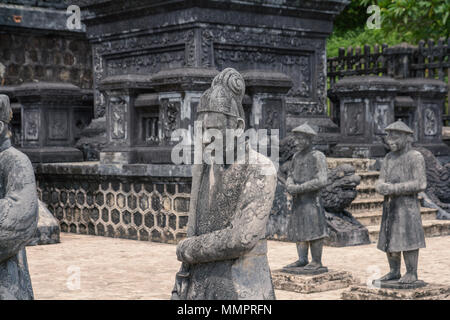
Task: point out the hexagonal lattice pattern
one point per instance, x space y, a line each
118 208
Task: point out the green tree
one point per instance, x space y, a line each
414 19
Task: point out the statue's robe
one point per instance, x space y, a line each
401 225
18 222
307 221
226 243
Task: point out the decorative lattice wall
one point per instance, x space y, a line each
138 208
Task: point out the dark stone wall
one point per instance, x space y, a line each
29 56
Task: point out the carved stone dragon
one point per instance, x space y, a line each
438 183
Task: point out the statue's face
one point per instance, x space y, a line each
302 141
396 140
215 126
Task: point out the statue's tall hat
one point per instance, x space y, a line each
5 109
228 83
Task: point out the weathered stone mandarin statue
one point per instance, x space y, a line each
225 253
307 176
402 177
18 213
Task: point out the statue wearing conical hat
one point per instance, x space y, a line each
18 213
402 177
307 176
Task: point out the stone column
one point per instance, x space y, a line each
53 115
267 91
366 108
427 98
400 58
121 92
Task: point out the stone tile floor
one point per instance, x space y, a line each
126 269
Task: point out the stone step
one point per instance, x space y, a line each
368 179
364 205
373 218
366 192
360 164
432 228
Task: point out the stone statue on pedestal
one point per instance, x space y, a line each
18 213
402 177
225 253
307 224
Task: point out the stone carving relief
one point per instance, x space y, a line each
59 126
147 63
171 110
354 119
430 122
99 98
118 107
231 46
31 125
380 118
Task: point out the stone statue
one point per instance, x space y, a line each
402 177
337 195
225 253
18 213
307 176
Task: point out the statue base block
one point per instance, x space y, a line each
429 292
394 284
303 271
310 283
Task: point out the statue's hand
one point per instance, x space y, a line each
294 188
384 188
183 252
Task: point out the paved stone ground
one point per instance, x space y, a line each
126 269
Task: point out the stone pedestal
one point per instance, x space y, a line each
429 292
53 115
47 229
395 284
424 112
310 283
366 109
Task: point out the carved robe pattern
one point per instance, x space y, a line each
226 242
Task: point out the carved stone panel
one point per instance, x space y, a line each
298 66
381 117
31 125
147 63
354 118
272 116
170 117
118 107
430 121
58 124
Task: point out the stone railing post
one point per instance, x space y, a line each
366 108
53 115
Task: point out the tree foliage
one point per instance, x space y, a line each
415 19
401 21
